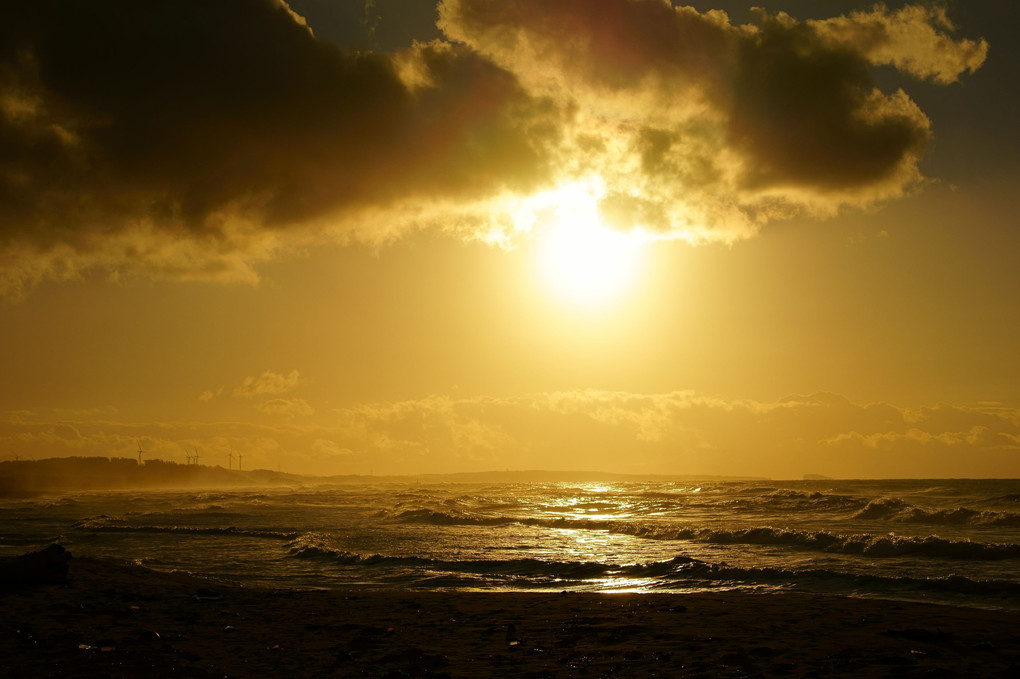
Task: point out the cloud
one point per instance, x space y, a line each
286 407
209 395
198 140
326 449
666 433
268 383
914 39
686 433
271 383
705 129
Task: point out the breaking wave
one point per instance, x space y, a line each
678 571
303 548
760 499
864 545
897 510
786 498
1012 498
104 526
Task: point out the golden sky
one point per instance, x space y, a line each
354 236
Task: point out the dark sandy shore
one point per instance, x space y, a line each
109 620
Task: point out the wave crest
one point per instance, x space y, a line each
896 510
677 571
100 525
860 544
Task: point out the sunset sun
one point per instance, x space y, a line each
581 258
587 262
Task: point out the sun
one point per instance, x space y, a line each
582 259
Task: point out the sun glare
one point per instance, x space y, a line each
581 258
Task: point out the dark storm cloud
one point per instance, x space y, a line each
210 120
808 113
178 108
195 139
723 125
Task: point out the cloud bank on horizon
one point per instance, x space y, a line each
674 433
196 140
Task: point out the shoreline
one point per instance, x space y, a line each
108 619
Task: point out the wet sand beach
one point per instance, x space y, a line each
110 620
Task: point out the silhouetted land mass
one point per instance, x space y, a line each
107 473
111 473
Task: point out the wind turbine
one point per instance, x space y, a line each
195 456
140 451
239 462
230 459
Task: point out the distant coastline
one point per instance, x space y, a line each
116 473
121 473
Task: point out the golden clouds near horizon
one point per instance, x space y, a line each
674 432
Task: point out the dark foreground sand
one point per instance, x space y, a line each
108 620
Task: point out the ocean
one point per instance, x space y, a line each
946 541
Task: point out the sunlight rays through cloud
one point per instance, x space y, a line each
701 129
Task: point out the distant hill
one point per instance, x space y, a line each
112 473
108 473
